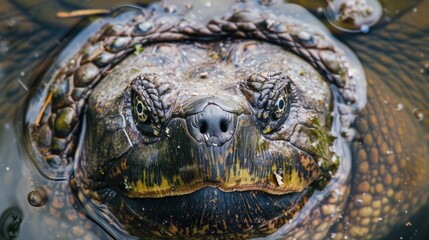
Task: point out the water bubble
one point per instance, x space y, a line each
418 114
7 168
38 197
353 16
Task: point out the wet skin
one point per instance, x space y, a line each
372 193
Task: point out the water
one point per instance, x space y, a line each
17 173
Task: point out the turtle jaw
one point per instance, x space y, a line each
223 214
178 165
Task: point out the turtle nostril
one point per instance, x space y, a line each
203 127
212 126
223 126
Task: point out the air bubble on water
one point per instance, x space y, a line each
418 114
7 168
415 10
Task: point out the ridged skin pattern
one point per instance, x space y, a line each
299 157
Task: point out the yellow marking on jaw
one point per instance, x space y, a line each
202 230
274 179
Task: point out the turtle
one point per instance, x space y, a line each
249 122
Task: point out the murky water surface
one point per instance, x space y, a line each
24 41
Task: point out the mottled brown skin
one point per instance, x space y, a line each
376 200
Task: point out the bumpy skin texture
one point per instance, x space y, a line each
243 166
371 195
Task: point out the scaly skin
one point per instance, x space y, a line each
390 176
379 182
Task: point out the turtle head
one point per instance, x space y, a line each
220 127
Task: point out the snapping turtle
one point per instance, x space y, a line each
227 125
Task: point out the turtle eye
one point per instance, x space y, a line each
149 104
144 117
280 107
269 93
139 110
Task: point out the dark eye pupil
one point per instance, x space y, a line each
139 107
281 104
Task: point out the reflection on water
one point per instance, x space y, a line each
18 176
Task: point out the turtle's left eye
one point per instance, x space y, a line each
269 93
140 110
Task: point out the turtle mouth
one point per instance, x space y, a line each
278 177
226 212
248 162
